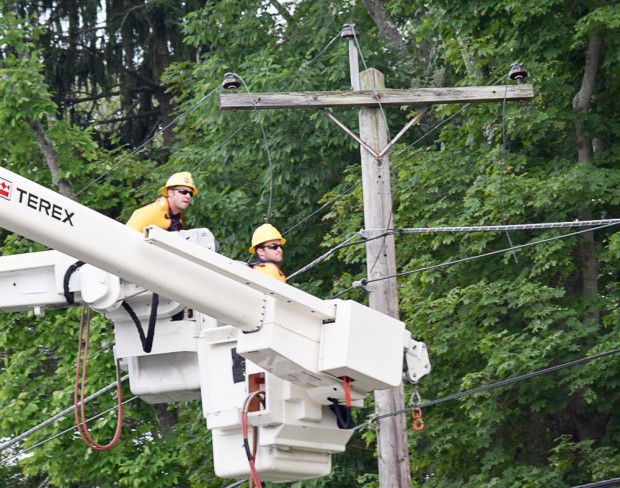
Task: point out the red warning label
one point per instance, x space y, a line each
5 188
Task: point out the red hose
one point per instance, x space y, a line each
80 418
346 385
244 429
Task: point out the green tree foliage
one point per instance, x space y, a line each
483 320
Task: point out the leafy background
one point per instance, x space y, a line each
100 80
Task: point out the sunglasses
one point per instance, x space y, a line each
273 247
185 192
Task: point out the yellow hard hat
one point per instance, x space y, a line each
264 233
184 178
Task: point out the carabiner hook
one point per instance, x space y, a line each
418 423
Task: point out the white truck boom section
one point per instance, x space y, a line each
223 330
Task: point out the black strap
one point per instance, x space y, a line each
69 295
238 366
342 413
147 341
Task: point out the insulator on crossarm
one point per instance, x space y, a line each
517 72
231 81
349 32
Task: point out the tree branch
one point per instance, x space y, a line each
281 9
64 187
387 29
139 115
144 79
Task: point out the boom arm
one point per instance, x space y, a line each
297 348
47 217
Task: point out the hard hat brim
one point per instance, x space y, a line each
253 248
164 190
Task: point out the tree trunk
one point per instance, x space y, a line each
161 60
51 159
581 104
166 419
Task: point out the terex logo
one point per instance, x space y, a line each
5 188
42 205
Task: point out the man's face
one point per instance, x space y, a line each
179 198
265 251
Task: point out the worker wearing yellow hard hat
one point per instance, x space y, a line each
267 244
165 212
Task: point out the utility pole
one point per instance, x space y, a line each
392 446
370 98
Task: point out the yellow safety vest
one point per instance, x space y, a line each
270 269
156 213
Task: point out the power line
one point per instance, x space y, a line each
55 417
262 128
492 228
441 123
362 283
30 448
11 320
311 62
491 386
528 244
333 200
600 484
141 146
236 483
21 396
251 117
324 256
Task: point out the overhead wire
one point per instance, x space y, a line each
333 200
520 246
68 369
262 128
363 234
502 169
251 117
12 320
324 256
311 62
38 444
490 386
389 136
59 415
142 145
442 122
364 282
600 484
494 228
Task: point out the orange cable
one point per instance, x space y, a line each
80 418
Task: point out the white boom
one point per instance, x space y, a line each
296 347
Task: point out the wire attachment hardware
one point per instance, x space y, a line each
418 423
360 285
231 81
349 31
415 394
517 72
416 411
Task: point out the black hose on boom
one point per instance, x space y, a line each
147 341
